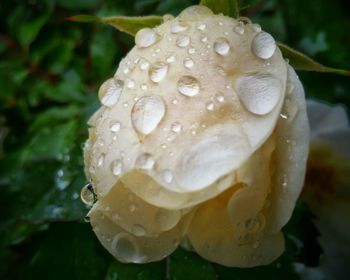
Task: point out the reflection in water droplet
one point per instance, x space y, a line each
87 195
116 167
115 126
263 45
158 71
182 41
130 83
167 175
239 29
221 46
188 86
138 230
144 64
210 106
110 91
178 26
147 112
191 50
176 127
202 26
145 37
125 248
220 98
170 58
145 161
259 93
188 63
100 160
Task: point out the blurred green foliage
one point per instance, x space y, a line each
50 70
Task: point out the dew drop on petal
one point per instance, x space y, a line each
110 91
219 97
116 167
201 26
145 161
145 37
188 63
195 11
263 45
87 195
239 29
221 46
210 106
259 93
256 27
144 64
183 41
138 230
158 71
125 248
188 86
176 127
146 114
167 176
100 160
178 26
115 126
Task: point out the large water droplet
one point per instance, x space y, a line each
116 167
188 63
188 86
146 114
145 161
259 93
87 195
183 41
145 37
221 46
110 91
158 71
263 45
178 26
125 248
239 29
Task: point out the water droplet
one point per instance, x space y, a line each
191 50
100 160
144 64
110 91
188 63
183 41
202 26
220 98
204 39
143 87
116 167
125 248
87 195
167 219
263 45
147 112
138 230
259 93
256 27
175 101
158 71
145 161
170 58
188 86
195 11
221 46
239 29
115 126
145 37
163 146
178 26
132 207
176 127
130 83
210 106
167 176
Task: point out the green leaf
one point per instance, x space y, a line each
227 7
131 25
302 62
29 30
149 271
185 265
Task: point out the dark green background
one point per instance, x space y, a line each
50 70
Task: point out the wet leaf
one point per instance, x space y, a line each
301 61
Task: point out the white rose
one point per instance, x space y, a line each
202 137
327 188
